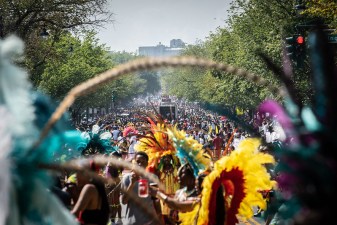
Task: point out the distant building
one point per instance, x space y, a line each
176 45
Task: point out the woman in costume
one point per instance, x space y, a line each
194 160
92 206
162 160
230 190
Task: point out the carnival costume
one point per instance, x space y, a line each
242 174
129 130
156 142
24 194
96 141
307 174
157 145
189 151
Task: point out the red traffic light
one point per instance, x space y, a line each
300 40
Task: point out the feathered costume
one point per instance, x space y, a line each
24 195
157 145
242 174
308 160
156 142
189 151
96 141
130 130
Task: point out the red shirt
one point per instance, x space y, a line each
217 143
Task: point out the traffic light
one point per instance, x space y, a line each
291 46
296 47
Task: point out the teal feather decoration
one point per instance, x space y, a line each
96 141
189 151
307 168
185 157
5 146
15 89
28 200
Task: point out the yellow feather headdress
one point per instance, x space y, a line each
242 174
156 142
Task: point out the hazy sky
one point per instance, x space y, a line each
148 22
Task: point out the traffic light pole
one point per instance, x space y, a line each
296 49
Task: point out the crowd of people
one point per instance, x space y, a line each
91 201
196 167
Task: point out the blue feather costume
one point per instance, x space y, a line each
24 194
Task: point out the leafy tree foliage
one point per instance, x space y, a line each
76 61
194 83
253 26
152 81
148 81
122 57
324 9
28 19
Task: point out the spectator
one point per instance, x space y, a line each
133 214
217 143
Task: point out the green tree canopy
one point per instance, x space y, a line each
324 9
76 61
28 19
195 84
253 26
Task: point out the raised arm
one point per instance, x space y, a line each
185 206
127 186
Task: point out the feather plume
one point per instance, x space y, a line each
5 179
324 80
307 167
96 139
189 150
28 199
14 89
242 173
156 142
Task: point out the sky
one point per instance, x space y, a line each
148 22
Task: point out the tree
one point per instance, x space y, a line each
76 61
194 84
323 9
264 25
121 57
147 81
73 62
29 18
253 26
152 81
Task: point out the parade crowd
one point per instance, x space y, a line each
94 202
